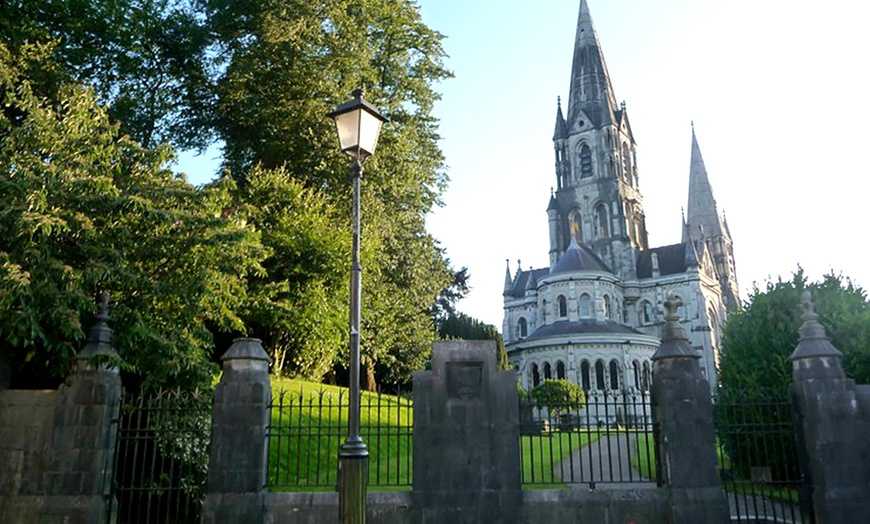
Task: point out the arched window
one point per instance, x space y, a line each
560 370
536 376
647 375
585 162
585 305
601 229
548 372
614 375
626 162
647 314
543 311
563 306
635 367
584 375
608 309
575 225
599 375
522 328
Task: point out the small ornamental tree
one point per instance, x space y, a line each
558 396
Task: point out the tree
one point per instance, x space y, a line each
755 370
147 60
261 75
558 396
290 62
299 305
83 209
760 337
460 326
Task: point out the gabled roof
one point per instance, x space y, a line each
518 289
672 260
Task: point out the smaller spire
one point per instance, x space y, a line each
561 130
508 281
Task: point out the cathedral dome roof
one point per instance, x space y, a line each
579 327
579 258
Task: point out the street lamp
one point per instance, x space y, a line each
358 124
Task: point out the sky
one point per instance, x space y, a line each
777 91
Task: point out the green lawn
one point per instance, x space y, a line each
308 428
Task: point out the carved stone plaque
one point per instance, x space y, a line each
464 380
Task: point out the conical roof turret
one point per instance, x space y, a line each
591 90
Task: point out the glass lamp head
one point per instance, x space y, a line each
358 124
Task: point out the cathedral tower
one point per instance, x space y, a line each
597 201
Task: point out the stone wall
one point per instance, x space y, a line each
57 448
26 424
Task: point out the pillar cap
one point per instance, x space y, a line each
246 349
674 344
99 341
814 341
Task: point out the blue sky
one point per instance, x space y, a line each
777 90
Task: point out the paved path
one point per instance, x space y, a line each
606 460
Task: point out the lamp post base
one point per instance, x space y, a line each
353 474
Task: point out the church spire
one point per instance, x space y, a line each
591 91
702 212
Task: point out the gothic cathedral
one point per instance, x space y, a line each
594 315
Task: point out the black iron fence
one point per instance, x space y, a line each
307 429
161 457
607 438
758 461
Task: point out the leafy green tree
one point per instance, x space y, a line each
287 64
558 396
755 369
299 306
84 208
147 60
760 337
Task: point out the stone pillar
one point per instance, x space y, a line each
78 479
240 419
833 423
683 414
466 437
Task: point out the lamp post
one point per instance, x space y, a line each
358 124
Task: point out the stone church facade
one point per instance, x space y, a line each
594 316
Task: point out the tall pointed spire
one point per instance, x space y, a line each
591 91
701 211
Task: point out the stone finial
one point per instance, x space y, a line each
674 344
246 349
814 341
99 341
